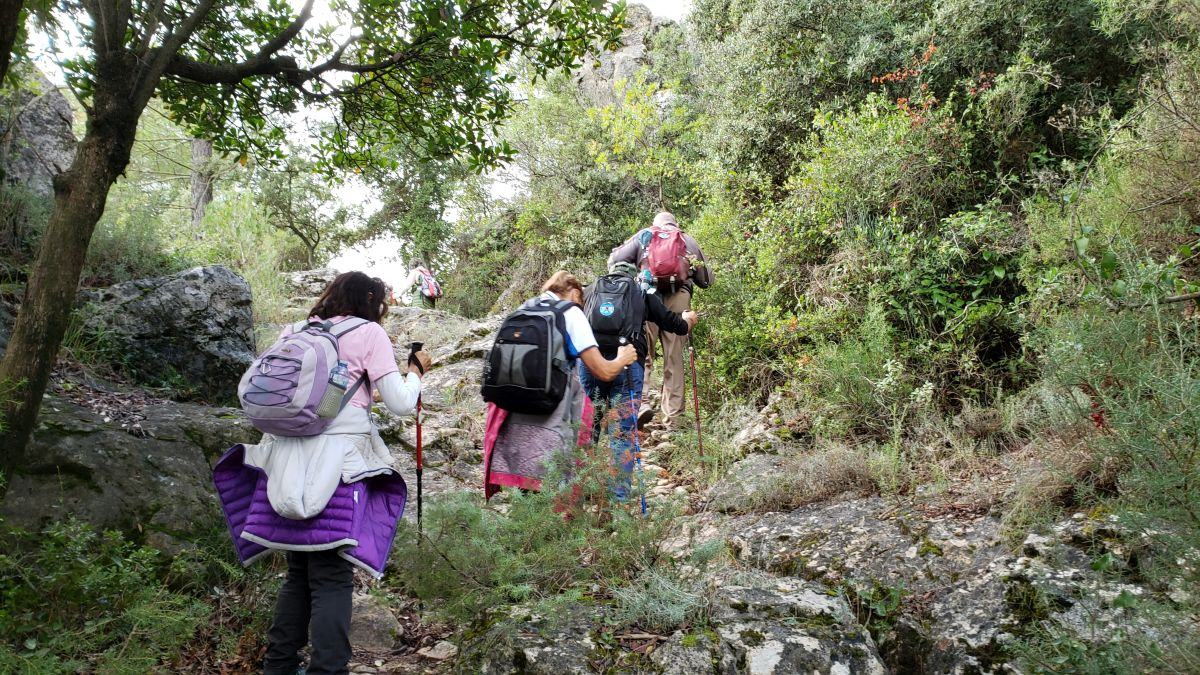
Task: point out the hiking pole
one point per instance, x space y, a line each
637 446
695 396
637 449
412 358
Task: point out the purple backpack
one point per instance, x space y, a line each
289 389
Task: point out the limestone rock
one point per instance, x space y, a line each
151 476
598 76
373 627
192 329
37 142
736 490
442 651
306 286
780 625
875 549
532 645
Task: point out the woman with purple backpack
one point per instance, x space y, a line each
320 485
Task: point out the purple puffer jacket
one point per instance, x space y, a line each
360 518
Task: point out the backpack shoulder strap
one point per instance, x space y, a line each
349 395
305 324
341 328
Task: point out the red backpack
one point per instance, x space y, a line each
666 257
430 288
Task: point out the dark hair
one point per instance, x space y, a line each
353 294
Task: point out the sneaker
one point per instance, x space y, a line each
645 415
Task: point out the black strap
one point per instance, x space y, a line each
352 391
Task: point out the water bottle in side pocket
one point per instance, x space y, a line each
339 382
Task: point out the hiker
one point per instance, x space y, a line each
428 289
320 485
672 260
535 401
618 307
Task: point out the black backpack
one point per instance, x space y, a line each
616 309
528 369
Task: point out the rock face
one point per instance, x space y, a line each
759 623
882 555
597 77
306 285
373 627
773 625
192 329
125 464
36 139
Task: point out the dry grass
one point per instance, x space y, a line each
831 469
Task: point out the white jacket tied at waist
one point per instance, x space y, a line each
302 473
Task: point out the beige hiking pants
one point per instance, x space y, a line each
673 348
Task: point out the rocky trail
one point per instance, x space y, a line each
848 584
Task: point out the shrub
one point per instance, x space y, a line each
859 385
473 559
77 599
827 471
1140 373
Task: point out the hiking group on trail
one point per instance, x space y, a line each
320 485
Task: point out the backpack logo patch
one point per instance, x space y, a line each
607 309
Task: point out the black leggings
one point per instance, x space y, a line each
316 596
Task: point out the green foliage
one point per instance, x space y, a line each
78 594
1125 649
23 215
858 384
77 599
566 540
425 76
1140 374
238 232
301 202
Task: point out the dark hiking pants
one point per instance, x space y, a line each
316 598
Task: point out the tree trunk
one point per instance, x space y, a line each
79 197
202 180
10 15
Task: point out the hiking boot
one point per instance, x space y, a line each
645 416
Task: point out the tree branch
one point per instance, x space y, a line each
161 56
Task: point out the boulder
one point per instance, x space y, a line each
121 461
192 330
306 286
373 627
942 579
536 645
37 140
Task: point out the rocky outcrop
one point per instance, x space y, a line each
119 460
191 330
37 141
758 623
773 625
598 76
882 554
306 286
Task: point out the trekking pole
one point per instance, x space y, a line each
412 357
637 446
695 396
